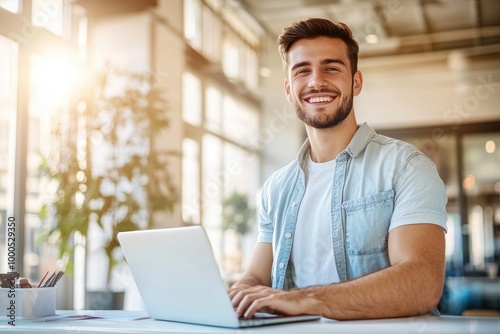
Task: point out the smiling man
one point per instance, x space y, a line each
354 227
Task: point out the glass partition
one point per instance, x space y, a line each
481 183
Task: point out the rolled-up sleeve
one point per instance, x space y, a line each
420 194
266 226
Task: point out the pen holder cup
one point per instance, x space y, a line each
27 302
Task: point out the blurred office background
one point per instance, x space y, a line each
431 77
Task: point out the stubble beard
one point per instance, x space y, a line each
319 120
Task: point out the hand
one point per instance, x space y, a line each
247 301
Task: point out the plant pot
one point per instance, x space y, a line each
104 300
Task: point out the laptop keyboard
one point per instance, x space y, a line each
261 315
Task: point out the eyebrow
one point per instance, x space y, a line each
333 61
323 62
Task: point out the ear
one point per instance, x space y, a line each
288 91
357 83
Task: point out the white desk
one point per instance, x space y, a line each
123 323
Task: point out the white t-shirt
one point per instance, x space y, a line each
312 250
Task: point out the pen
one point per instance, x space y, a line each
39 285
57 278
48 281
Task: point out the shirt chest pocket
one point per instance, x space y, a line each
367 223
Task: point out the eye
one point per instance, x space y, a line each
301 72
334 69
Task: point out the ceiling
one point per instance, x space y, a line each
388 27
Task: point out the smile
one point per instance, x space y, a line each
320 99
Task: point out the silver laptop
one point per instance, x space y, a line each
179 280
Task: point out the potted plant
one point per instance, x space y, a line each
237 215
109 171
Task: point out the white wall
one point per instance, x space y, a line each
447 88
168 66
121 41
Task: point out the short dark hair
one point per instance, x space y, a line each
318 27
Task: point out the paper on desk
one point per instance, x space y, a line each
108 316
67 317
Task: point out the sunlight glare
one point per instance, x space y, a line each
55 81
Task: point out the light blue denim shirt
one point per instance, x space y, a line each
379 183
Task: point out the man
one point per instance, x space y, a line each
354 227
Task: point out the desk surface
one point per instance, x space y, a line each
126 322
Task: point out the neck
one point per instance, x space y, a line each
326 144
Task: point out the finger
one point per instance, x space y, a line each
248 299
238 294
233 292
236 298
277 303
258 305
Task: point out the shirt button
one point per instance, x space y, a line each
281 265
288 235
294 204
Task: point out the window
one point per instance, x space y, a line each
213 116
212 35
241 170
241 122
232 56
250 65
191 99
219 132
190 182
214 181
33 101
193 23
49 14
10 5
223 38
227 169
8 93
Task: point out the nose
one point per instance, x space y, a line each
317 80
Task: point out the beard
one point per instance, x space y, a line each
319 120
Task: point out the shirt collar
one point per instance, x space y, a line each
357 144
360 140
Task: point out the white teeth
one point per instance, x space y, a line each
320 99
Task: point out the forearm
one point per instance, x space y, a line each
407 289
259 268
247 281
